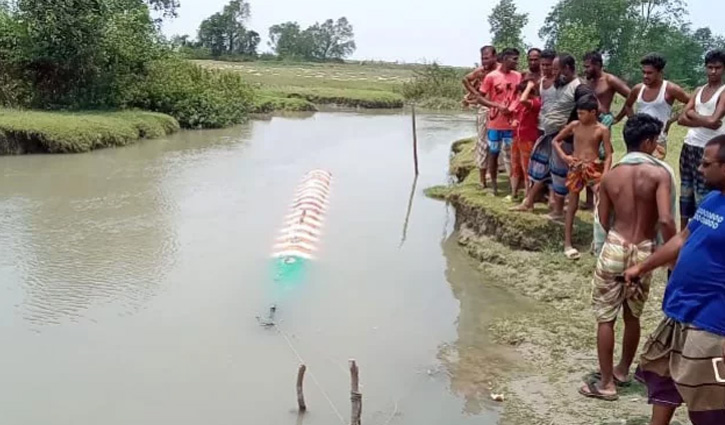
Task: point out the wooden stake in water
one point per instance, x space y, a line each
300 393
355 396
415 141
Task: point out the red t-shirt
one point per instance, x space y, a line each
500 88
528 117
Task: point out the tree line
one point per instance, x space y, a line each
621 30
225 33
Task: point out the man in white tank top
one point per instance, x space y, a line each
655 97
704 115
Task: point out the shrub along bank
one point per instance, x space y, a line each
84 55
73 132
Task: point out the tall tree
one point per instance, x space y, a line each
225 32
507 25
576 39
326 41
622 30
331 40
213 35
286 40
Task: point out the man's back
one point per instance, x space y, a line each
633 193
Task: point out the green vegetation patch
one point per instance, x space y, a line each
355 98
65 132
266 104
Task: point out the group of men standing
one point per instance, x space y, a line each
635 207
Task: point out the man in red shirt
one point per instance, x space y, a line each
498 94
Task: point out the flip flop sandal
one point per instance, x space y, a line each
572 254
617 382
594 393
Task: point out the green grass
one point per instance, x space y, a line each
346 76
350 85
23 131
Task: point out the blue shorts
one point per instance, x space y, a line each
497 137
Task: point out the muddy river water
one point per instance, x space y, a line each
130 280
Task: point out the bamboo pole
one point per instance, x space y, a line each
355 396
415 141
300 393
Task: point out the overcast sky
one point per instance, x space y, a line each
449 32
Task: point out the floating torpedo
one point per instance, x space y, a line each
299 237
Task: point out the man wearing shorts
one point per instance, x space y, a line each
472 82
498 92
682 360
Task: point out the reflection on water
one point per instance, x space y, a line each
151 263
474 361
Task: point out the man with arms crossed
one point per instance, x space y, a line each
703 114
635 202
683 359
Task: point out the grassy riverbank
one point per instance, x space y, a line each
301 86
522 252
72 132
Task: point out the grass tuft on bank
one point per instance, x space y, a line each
23 131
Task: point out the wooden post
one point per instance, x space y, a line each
415 141
355 396
300 394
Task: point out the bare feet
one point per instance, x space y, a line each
555 216
522 208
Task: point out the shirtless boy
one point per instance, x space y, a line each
635 204
585 167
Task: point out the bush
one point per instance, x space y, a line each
196 97
354 98
434 81
265 105
65 132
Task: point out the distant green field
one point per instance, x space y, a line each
346 84
328 75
